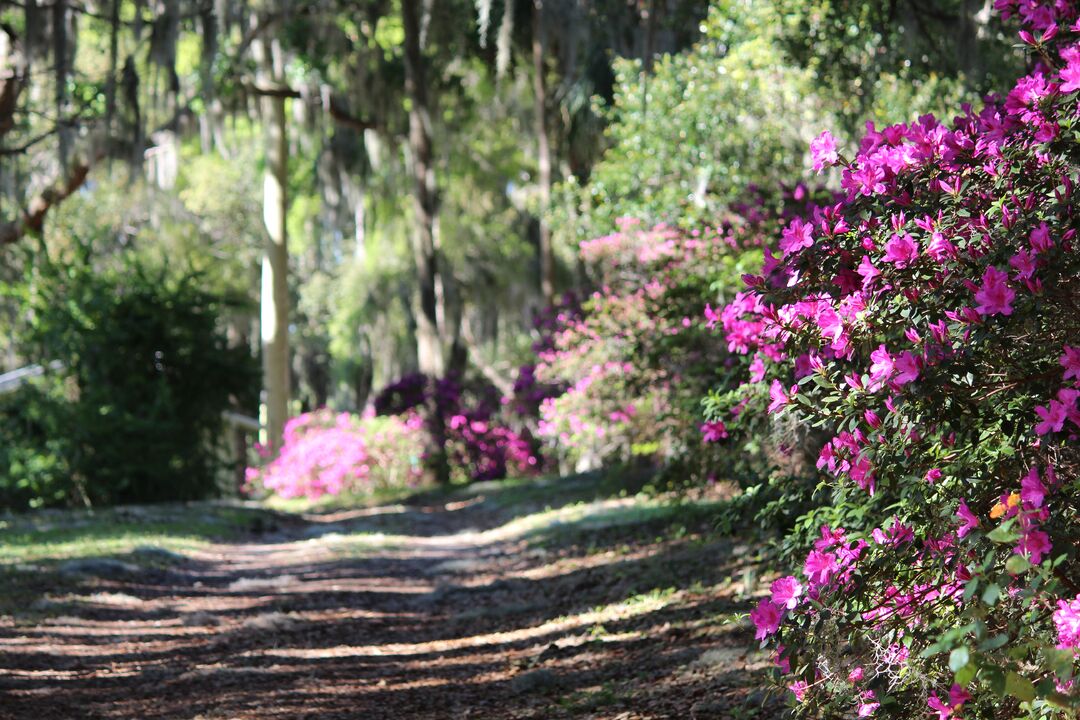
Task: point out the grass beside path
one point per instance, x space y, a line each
574 597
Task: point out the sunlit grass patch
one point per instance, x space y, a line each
65 535
35 548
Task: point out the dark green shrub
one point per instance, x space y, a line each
135 413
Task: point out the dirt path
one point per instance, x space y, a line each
467 609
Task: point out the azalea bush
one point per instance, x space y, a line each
468 423
327 453
926 323
640 352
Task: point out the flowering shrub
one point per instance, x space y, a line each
326 453
465 420
927 322
637 357
620 399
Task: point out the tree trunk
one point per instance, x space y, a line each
426 298
110 82
428 336
60 73
274 296
543 156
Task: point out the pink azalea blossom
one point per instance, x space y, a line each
766 616
957 697
1067 622
868 271
778 398
968 520
786 592
994 296
1024 264
1070 74
1034 544
796 236
799 687
820 567
782 662
907 366
933 475
712 317
901 250
882 367
1053 418
939 248
1071 362
714 431
823 151
867 704
1032 490
1040 239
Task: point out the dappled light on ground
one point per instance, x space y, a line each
542 604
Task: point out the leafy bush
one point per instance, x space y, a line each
135 413
326 453
468 424
926 321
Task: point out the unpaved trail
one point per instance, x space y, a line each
464 609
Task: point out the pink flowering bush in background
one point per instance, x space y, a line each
636 358
327 453
926 323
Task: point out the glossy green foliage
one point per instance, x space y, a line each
134 412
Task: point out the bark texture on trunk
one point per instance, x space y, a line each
429 349
274 295
428 302
543 155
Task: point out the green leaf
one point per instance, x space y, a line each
959 658
991 594
995 678
1017 565
1019 687
965 674
994 643
1004 535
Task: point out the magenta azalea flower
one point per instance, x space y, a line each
1053 418
1033 545
968 520
819 567
1070 74
823 151
995 296
883 366
1071 362
867 704
786 592
1032 490
868 272
907 367
1067 622
714 431
796 236
778 398
1023 263
766 617
901 250
1040 239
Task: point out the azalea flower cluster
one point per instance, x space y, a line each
635 358
926 320
482 434
326 453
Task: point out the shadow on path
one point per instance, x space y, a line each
549 602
